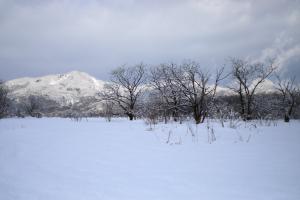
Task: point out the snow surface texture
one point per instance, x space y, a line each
94 159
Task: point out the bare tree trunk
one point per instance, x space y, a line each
165 116
242 103
197 115
286 118
289 112
249 111
131 116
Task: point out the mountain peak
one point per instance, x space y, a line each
74 75
77 73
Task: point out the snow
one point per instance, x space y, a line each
52 158
63 88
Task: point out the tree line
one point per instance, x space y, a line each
177 91
172 91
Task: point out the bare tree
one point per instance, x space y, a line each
193 83
162 80
4 101
125 88
248 77
214 104
289 92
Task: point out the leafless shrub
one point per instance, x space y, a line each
169 136
234 120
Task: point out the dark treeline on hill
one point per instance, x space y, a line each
174 92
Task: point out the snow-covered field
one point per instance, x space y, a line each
94 159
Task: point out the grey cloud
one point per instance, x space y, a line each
41 37
292 68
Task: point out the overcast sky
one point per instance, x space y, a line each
45 37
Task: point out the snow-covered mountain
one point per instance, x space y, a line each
64 88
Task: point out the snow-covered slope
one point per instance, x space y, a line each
64 88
